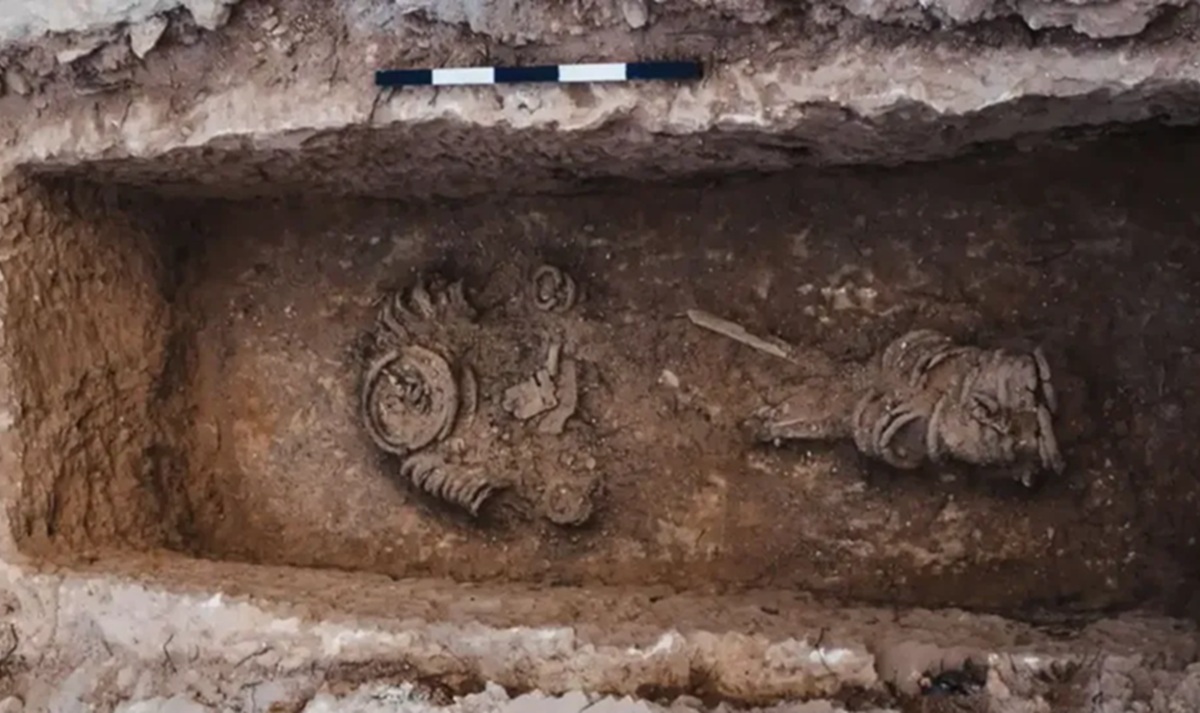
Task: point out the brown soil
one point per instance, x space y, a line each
88 303
1085 253
1076 252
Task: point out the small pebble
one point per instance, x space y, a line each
669 378
635 12
16 83
144 36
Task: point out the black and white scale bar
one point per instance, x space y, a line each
562 73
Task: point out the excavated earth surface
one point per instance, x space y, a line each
203 206
1085 253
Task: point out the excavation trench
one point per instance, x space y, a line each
188 358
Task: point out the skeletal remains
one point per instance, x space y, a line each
420 401
922 399
412 399
553 290
925 398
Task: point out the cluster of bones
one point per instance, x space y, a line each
923 399
421 398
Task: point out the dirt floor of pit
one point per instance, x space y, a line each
1088 253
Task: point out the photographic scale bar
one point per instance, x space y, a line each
558 73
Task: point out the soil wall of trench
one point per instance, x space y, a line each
203 204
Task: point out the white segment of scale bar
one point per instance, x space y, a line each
464 75
611 72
